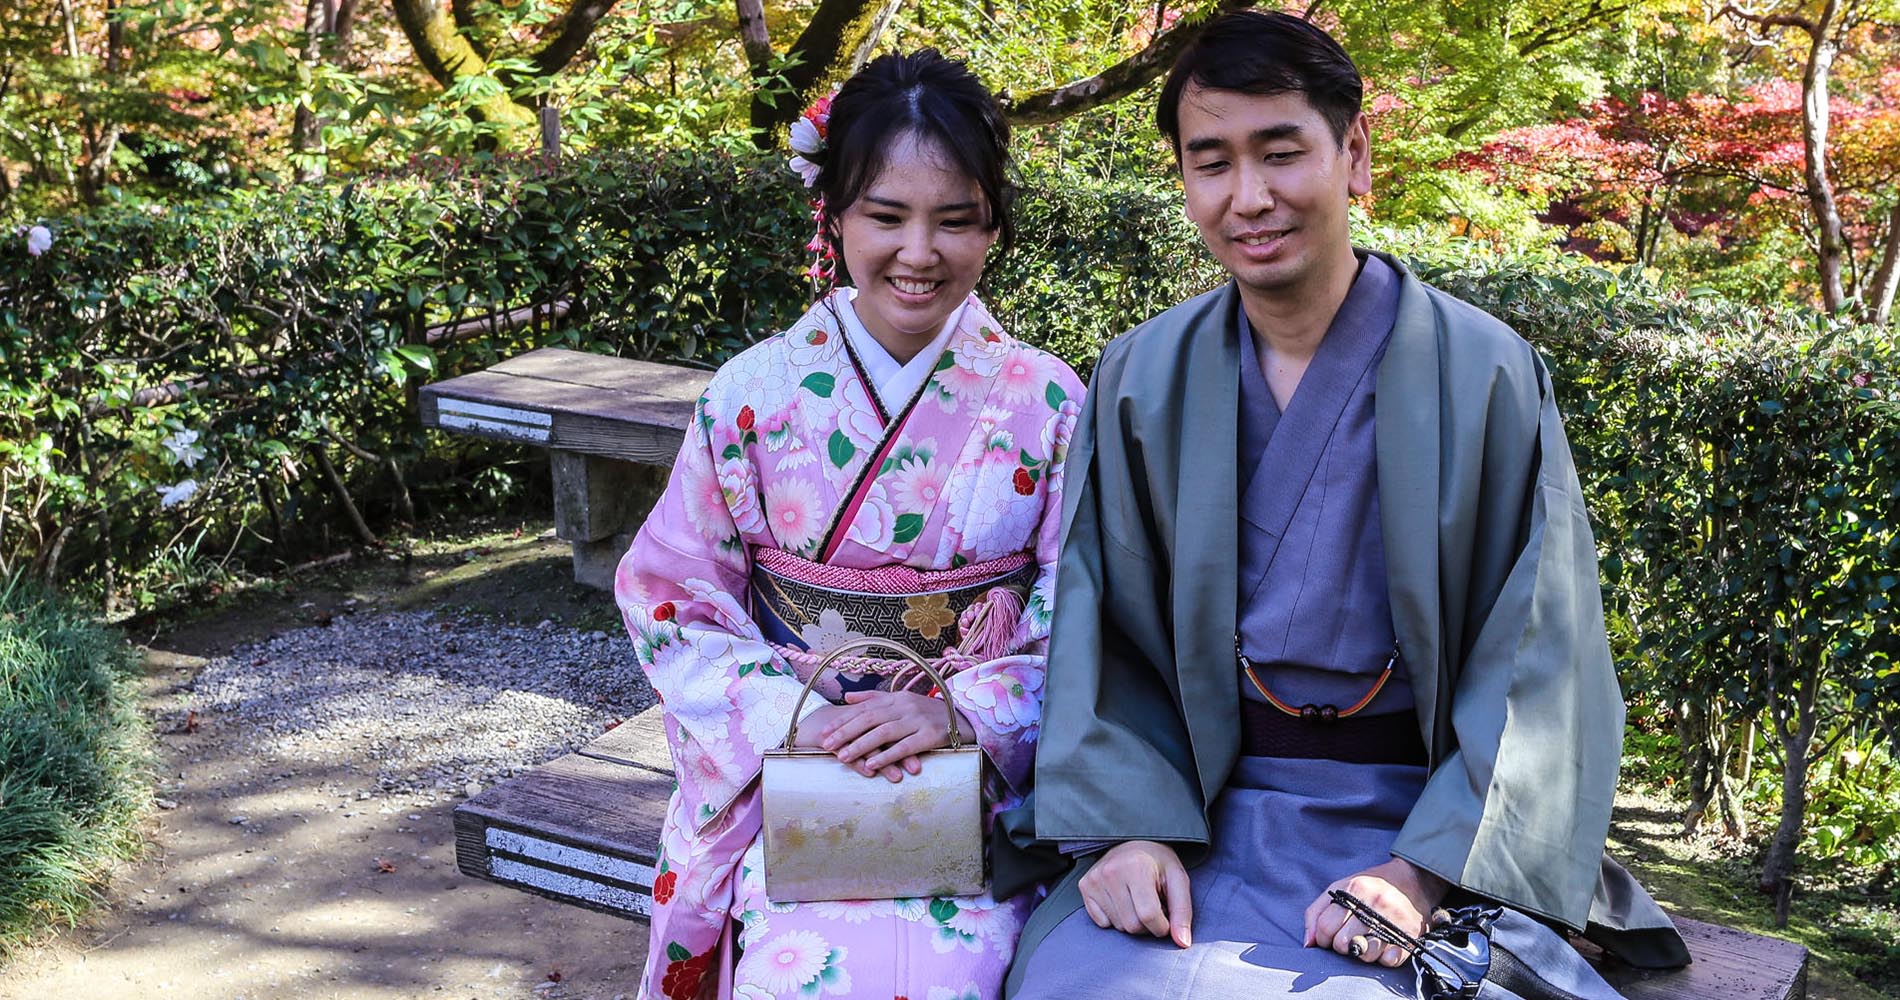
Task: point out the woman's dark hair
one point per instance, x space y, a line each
1265 53
931 97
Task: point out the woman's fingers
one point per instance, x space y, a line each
882 735
904 750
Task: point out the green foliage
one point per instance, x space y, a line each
291 322
1093 259
73 778
1740 461
1741 465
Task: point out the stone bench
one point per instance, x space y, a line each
611 427
583 829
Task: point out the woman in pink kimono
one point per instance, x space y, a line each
890 466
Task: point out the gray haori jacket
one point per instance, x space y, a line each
1495 602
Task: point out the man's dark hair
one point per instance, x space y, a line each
928 96
1265 53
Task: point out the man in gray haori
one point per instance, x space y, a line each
1328 615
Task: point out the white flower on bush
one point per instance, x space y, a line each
39 239
184 448
172 496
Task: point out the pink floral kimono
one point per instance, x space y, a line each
793 476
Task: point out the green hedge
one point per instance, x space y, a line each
73 775
308 308
1740 461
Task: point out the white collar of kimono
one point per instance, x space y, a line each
895 384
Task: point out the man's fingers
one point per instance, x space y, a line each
1341 940
1095 912
1148 909
1313 910
1394 956
1180 904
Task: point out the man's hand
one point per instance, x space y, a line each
1397 890
1138 886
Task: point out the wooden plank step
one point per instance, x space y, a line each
1729 965
580 829
572 401
584 828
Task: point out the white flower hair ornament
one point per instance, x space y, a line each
808 141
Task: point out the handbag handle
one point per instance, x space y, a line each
860 645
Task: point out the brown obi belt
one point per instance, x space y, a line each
1392 738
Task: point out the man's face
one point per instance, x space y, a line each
1268 185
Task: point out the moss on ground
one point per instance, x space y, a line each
1849 921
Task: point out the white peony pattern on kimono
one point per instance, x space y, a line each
784 436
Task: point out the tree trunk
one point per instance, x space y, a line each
1814 127
867 43
754 36
342 31
1879 298
837 31
306 131
1777 870
448 57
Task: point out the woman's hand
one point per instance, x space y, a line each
881 732
1398 890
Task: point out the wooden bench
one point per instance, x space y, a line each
583 829
611 427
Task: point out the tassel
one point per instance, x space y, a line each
987 629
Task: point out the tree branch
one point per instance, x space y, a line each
448 56
1117 81
570 35
836 31
1767 20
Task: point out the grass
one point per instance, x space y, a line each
74 778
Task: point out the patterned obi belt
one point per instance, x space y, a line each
953 617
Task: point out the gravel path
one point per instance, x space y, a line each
303 844
440 706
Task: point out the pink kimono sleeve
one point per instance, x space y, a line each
1004 696
681 590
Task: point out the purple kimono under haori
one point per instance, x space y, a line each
1314 628
826 492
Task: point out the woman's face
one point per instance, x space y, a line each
914 245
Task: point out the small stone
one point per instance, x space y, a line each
167 804
239 820
472 789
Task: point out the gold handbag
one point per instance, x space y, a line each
832 833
